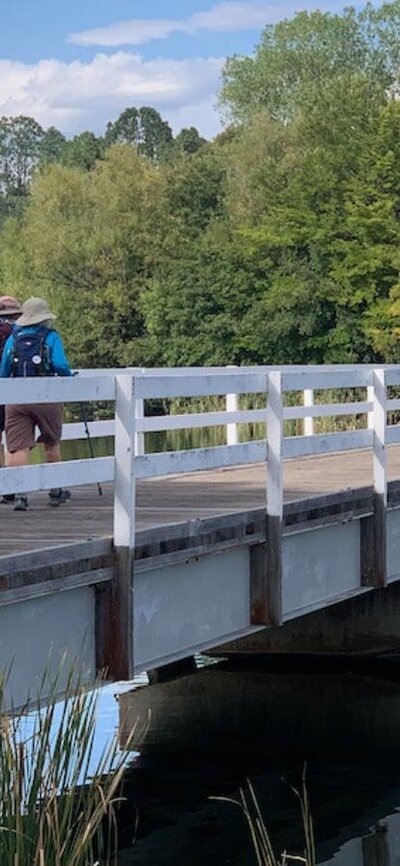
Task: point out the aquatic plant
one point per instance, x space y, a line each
263 848
55 808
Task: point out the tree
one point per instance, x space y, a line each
83 151
52 146
144 129
89 242
189 141
296 56
20 141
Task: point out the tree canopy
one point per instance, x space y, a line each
278 242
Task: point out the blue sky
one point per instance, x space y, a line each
76 65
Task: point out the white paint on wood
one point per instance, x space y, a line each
56 389
124 494
326 378
191 385
70 473
200 459
139 435
323 410
327 443
308 400
193 421
392 434
275 440
370 398
97 429
379 435
231 406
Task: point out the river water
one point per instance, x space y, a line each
204 734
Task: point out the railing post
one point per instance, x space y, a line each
117 644
266 566
139 437
373 532
232 405
308 400
370 398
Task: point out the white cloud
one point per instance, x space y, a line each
77 95
224 18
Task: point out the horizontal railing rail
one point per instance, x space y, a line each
355 395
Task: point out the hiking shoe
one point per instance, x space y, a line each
21 503
59 496
8 497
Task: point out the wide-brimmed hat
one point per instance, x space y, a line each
35 311
9 306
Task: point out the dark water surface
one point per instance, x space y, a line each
207 732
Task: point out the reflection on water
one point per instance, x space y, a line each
171 440
209 731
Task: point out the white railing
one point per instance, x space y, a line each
131 389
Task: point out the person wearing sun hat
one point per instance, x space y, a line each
10 310
34 348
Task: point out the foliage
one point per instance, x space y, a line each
20 140
188 140
276 243
295 56
55 808
88 241
82 151
144 129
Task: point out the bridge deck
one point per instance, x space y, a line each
176 499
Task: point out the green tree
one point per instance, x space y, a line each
295 56
88 243
144 129
83 151
189 141
20 141
52 146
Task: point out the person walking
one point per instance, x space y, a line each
10 310
33 349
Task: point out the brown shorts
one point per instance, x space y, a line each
22 420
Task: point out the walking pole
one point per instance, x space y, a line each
91 452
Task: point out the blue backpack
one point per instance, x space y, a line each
30 355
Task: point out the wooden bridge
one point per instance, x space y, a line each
187 550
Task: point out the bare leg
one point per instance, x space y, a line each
53 454
17 458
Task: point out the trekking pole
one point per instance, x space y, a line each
90 444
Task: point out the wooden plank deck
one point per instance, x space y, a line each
176 499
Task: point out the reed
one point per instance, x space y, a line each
56 809
260 838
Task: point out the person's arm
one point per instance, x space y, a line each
5 367
58 357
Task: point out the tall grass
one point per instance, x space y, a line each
55 808
261 841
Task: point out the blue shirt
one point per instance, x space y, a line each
55 346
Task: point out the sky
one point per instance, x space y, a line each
76 64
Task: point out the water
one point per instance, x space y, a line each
208 732
173 440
